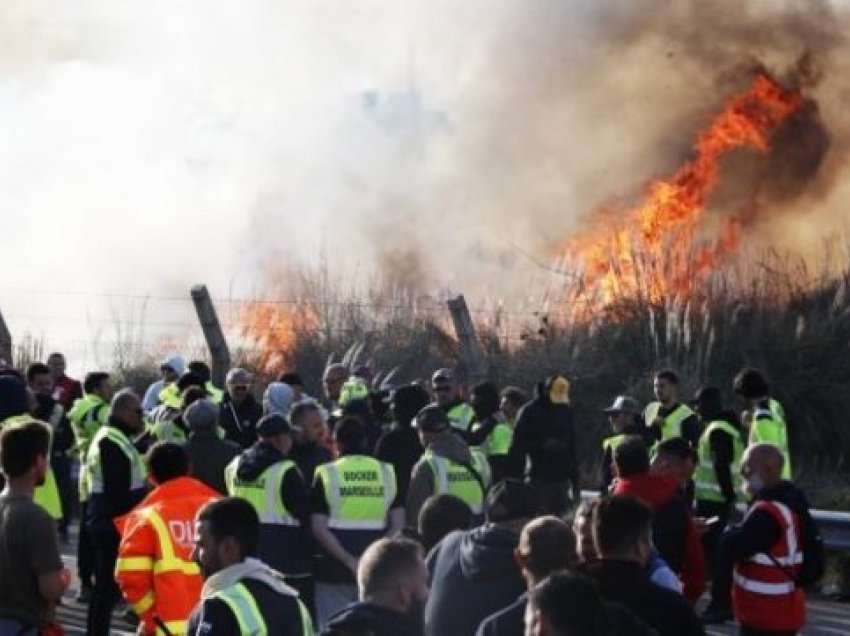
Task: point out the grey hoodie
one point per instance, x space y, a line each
448 445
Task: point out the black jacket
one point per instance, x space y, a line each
544 441
618 621
401 448
473 575
209 456
239 422
367 619
213 617
308 457
627 583
759 531
287 549
116 499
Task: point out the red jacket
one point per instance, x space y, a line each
66 390
673 529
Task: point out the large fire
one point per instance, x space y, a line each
661 247
275 328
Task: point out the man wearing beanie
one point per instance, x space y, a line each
209 455
265 476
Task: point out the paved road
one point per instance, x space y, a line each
826 618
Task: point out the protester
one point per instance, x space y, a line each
622 532
400 446
765 416
354 501
667 417
544 443
392 582
241 594
490 432
512 400
278 399
473 573
239 410
673 529
447 466
209 454
441 515
32 576
155 570
333 379
170 370
296 383
625 419
203 371
266 477
50 411
309 452
66 390
447 395
115 473
769 548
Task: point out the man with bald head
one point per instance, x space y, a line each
767 547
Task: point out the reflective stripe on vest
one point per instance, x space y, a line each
759 574
245 610
707 488
456 479
264 492
353 505
94 469
672 424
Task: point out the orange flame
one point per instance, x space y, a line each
652 252
275 329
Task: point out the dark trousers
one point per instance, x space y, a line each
61 465
85 551
106 592
721 571
552 496
750 631
306 588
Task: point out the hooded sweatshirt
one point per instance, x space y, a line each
473 575
277 400
285 548
673 529
449 445
278 603
368 619
151 399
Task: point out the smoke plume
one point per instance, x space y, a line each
151 145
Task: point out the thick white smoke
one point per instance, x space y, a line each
147 146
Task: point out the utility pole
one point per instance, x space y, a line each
216 343
5 342
471 353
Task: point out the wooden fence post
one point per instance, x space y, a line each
216 343
471 353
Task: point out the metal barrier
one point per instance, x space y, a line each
834 526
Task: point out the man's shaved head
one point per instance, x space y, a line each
761 467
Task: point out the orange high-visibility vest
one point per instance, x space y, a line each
764 595
155 570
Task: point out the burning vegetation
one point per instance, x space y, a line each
668 244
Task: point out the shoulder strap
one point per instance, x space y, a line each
475 473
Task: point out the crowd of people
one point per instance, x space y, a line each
410 511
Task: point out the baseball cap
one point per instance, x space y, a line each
238 376
431 419
443 375
623 404
510 500
272 425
